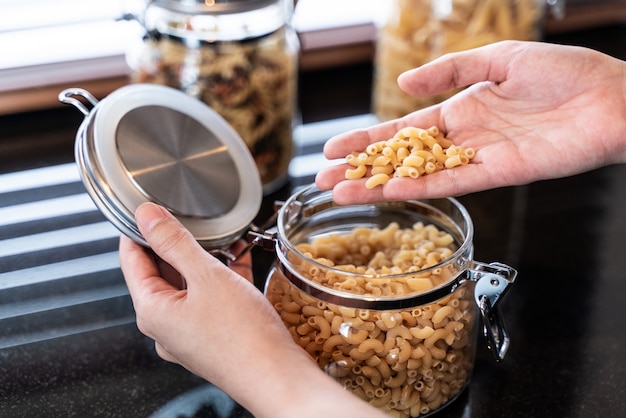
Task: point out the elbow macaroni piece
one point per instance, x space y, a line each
412 152
408 361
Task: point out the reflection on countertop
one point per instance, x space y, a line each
70 347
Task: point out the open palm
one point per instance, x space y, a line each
533 111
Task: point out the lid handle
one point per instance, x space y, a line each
67 96
492 281
263 236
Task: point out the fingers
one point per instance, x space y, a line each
135 256
444 183
351 192
334 177
341 145
354 191
458 181
140 270
329 177
460 69
170 240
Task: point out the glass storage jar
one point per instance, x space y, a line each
403 340
414 32
239 57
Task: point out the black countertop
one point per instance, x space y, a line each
69 346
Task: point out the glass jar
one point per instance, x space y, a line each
237 56
414 32
407 342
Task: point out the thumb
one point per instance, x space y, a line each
460 69
168 238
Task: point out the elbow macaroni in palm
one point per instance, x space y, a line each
412 152
408 361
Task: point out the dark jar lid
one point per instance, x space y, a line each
151 143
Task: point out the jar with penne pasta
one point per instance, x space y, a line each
386 297
414 32
237 56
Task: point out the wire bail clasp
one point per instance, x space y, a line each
492 281
67 96
263 236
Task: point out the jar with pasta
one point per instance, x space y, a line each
414 32
237 56
386 297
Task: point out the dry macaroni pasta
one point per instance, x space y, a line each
420 30
408 362
412 152
251 84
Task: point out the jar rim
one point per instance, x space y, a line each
321 200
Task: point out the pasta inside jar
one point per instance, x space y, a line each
409 361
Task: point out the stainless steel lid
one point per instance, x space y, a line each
147 142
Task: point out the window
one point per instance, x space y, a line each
45 43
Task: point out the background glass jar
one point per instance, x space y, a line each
414 32
411 352
239 57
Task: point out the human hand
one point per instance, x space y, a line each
217 322
219 326
534 111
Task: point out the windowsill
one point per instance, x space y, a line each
319 49
35 87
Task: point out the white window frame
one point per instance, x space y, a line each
45 44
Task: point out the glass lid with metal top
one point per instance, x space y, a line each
153 143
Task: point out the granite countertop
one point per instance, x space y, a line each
69 346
